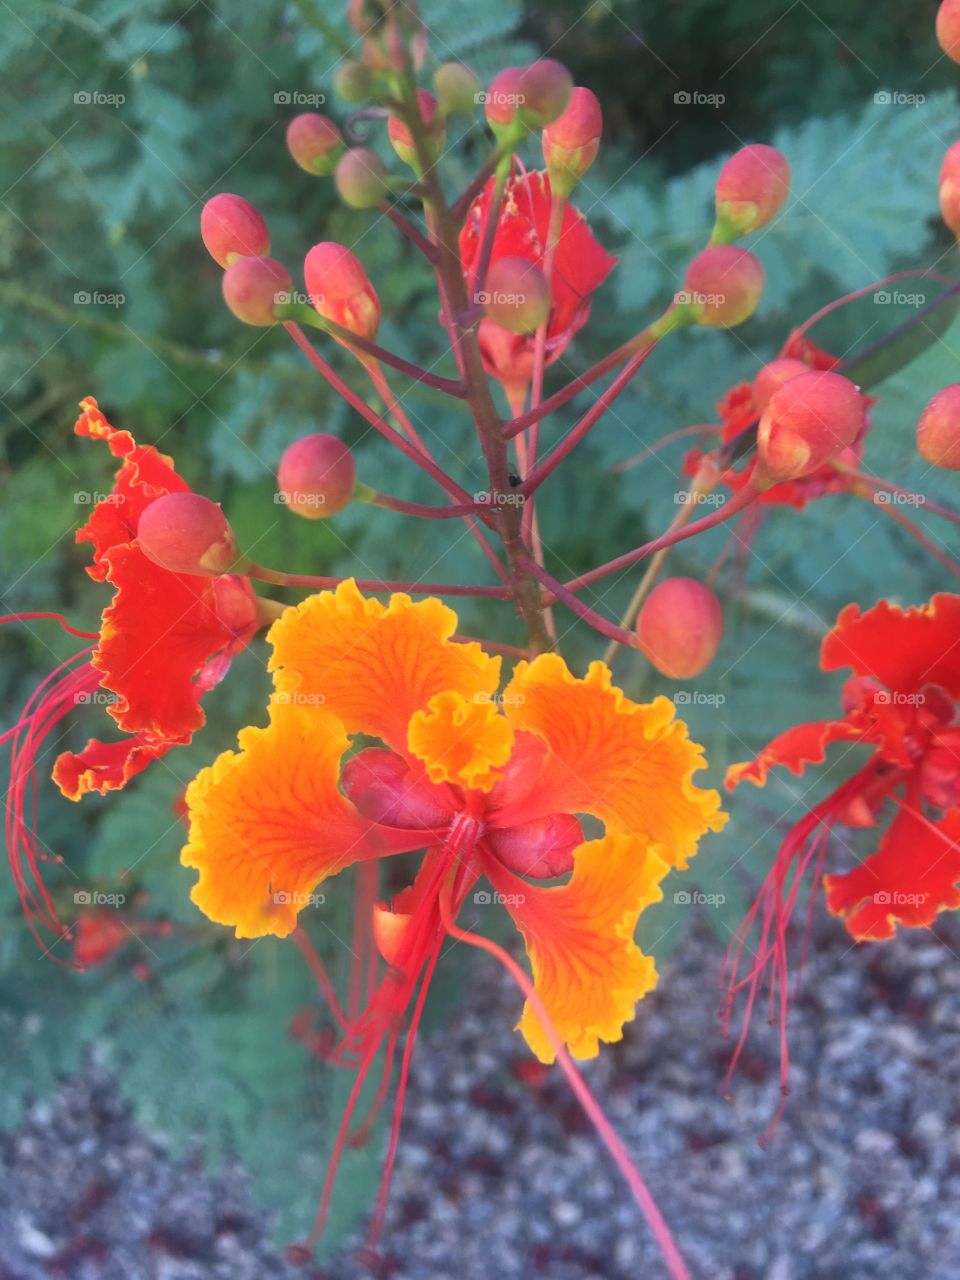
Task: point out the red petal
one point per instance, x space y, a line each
794 750
902 648
104 766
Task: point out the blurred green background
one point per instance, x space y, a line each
119 118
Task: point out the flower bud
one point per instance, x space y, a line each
253 288
950 189
545 88
571 143
315 143
401 139
541 849
752 188
809 420
938 431
723 286
232 228
948 28
517 295
502 99
457 87
187 533
340 290
361 178
378 783
680 627
772 377
353 81
316 476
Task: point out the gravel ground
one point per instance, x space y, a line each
499 1176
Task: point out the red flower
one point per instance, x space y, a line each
580 267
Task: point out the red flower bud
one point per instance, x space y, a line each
501 100
541 849
339 289
517 295
571 143
315 143
353 81
723 286
545 88
752 188
253 288
950 189
772 377
316 476
680 627
938 431
361 178
232 228
379 784
948 28
457 87
187 533
809 420
401 138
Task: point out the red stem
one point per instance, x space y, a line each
559 592
263 574
411 232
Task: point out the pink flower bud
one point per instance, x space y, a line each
361 178
315 143
253 288
339 289
353 81
232 228
811 419
316 476
541 849
938 431
501 100
950 189
571 143
401 139
517 295
772 377
187 533
723 286
457 87
545 88
379 784
752 188
948 28
680 627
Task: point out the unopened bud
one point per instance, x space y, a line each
253 288
232 228
316 476
187 533
516 296
752 188
545 89
772 377
950 189
456 86
541 849
571 143
353 81
315 143
948 28
938 431
340 290
401 139
502 99
361 178
809 420
680 627
723 286
379 784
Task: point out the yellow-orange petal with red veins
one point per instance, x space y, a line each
268 823
374 665
587 970
794 749
902 648
466 743
627 763
914 875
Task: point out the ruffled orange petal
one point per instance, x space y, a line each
628 764
374 665
466 743
587 970
794 750
914 875
104 766
902 648
269 823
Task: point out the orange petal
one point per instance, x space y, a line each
104 766
914 875
373 665
587 970
467 743
268 823
794 750
902 648
628 764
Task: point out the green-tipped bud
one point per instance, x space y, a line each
316 477
353 81
361 178
187 533
723 287
571 143
457 88
516 295
752 188
253 288
315 143
938 431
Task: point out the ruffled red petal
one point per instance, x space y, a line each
105 766
794 750
904 649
